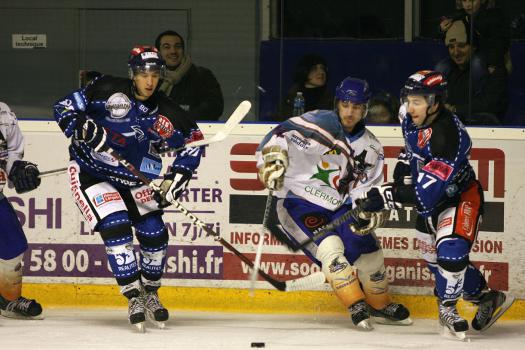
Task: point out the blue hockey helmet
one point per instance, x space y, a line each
354 90
145 59
427 83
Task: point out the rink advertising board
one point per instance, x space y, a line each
226 194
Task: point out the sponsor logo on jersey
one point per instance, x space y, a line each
103 198
143 196
320 194
139 134
423 136
301 142
444 223
67 104
336 266
314 221
466 219
163 127
118 105
150 166
440 169
79 101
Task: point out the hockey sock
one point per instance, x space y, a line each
11 278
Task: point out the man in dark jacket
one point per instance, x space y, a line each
194 88
476 94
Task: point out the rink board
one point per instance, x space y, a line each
226 194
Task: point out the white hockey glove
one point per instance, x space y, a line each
367 222
92 134
402 172
173 185
380 198
275 164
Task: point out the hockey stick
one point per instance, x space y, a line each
52 172
352 213
257 262
235 118
303 282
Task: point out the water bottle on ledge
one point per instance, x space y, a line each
298 104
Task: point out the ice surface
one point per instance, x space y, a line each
109 329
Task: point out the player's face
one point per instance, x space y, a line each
171 50
350 114
145 84
471 6
316 77
417 107
460 53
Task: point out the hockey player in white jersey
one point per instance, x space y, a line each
13 243
318 164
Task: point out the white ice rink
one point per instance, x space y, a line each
108 329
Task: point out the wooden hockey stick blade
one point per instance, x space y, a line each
52 172
235 118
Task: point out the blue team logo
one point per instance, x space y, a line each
150 166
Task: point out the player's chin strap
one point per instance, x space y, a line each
301 283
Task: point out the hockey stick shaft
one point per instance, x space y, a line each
280 285
235 118
258 254
52 172
352 213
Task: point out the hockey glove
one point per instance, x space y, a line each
24 176
171 188
380 198
92 134
402 173
271 173
367 222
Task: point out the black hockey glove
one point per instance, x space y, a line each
173 185
24 175
92 134
380 198
402 173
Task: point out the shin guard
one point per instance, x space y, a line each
11 278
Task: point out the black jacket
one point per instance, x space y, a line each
199 93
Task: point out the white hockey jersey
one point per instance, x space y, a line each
327 166
11 143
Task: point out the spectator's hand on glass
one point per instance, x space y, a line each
445 24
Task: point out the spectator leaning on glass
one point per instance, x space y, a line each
491 28
194 88
310 77
487 102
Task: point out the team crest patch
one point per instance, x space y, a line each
163 127
423 137
103 198
118 105
440 169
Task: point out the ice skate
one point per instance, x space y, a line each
361 316
454 326
21 308
491 305
156 313
392 314
136 308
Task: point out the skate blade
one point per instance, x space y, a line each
383 320
140 326
450 334
365 325
158 324
16 316
509 300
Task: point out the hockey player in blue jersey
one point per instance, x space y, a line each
13 243
318 164
434 173
136 121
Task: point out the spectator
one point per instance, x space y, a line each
310 77
194 88
483 100
382 109
491 30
